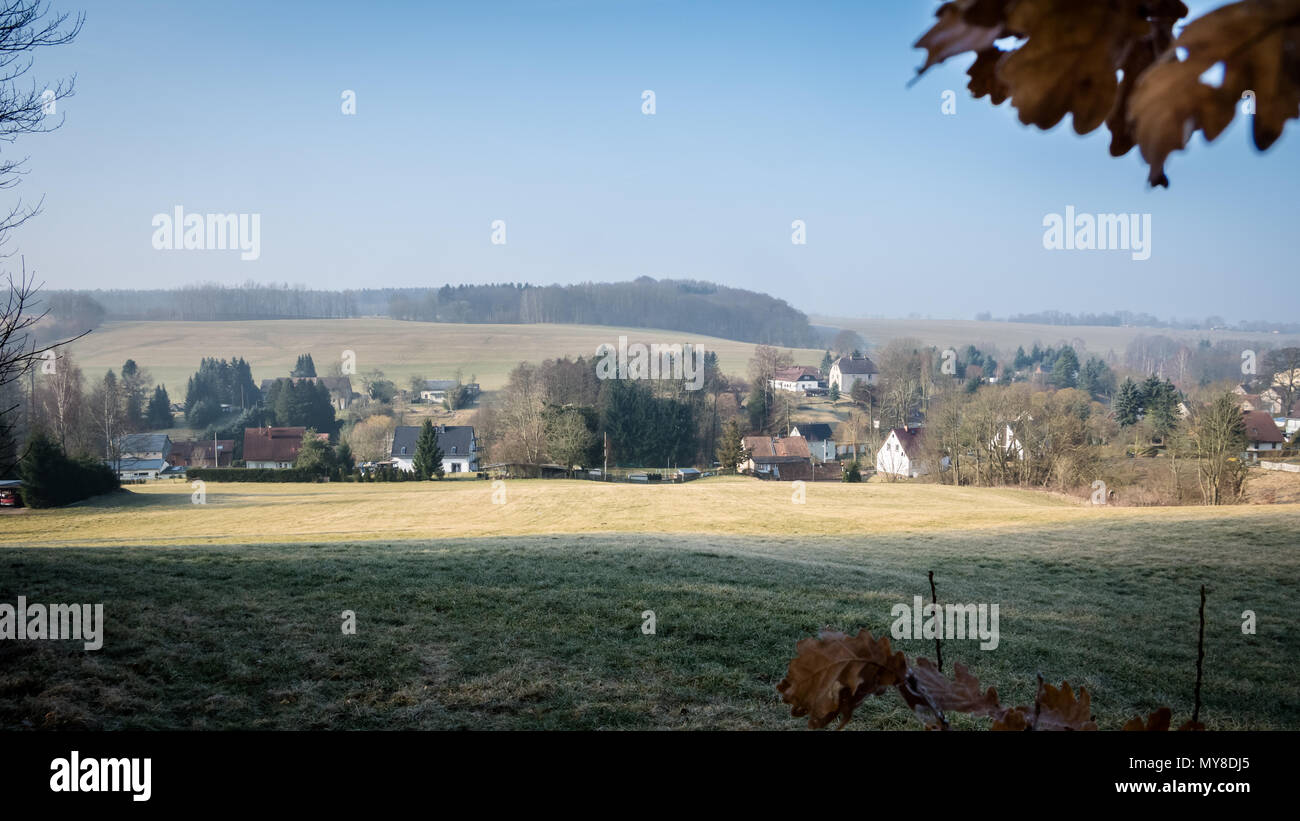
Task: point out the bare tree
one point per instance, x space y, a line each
25 25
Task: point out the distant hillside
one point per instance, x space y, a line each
676 305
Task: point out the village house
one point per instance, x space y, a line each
457 442
275 448
900 455
797 379
199 453
821 441
141 456
848 370
1263 436
771 457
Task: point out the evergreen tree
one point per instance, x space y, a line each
428 456
1065 371
1128 403
827 361
731 449
159 414
304 367
834 393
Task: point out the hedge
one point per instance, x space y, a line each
254 475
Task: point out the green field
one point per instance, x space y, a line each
1006 336
527 614
171 351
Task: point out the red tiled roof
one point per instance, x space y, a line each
1260 427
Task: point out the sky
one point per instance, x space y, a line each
532 113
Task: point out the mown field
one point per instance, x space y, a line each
527 615
171 351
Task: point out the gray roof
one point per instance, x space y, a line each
861 365
454 440
815 431
439 384
145 443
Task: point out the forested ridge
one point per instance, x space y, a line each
678 305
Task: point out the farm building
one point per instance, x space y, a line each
798 379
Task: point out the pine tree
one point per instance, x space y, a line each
827 362
731 449
1128 403
1065 371
159 414
428 456
305 366
834 393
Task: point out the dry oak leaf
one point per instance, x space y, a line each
964 25
929 686
1258 44
1068 63
833 673
1141 55
984 76
1156 722
1015 719
1058 709
1055 710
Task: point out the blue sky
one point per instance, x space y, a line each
531 113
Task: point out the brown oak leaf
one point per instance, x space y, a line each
1257 42
833 673
964 25
927 688
1156 722
984 76
1058 709
1068 63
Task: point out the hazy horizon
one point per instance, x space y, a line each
533 115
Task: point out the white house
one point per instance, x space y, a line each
848 370
457 443
900 455
1008 443
799 379
1262 434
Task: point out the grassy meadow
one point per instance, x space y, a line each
527 615
171 351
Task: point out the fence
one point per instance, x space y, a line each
1287 466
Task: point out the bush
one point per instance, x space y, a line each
51 479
